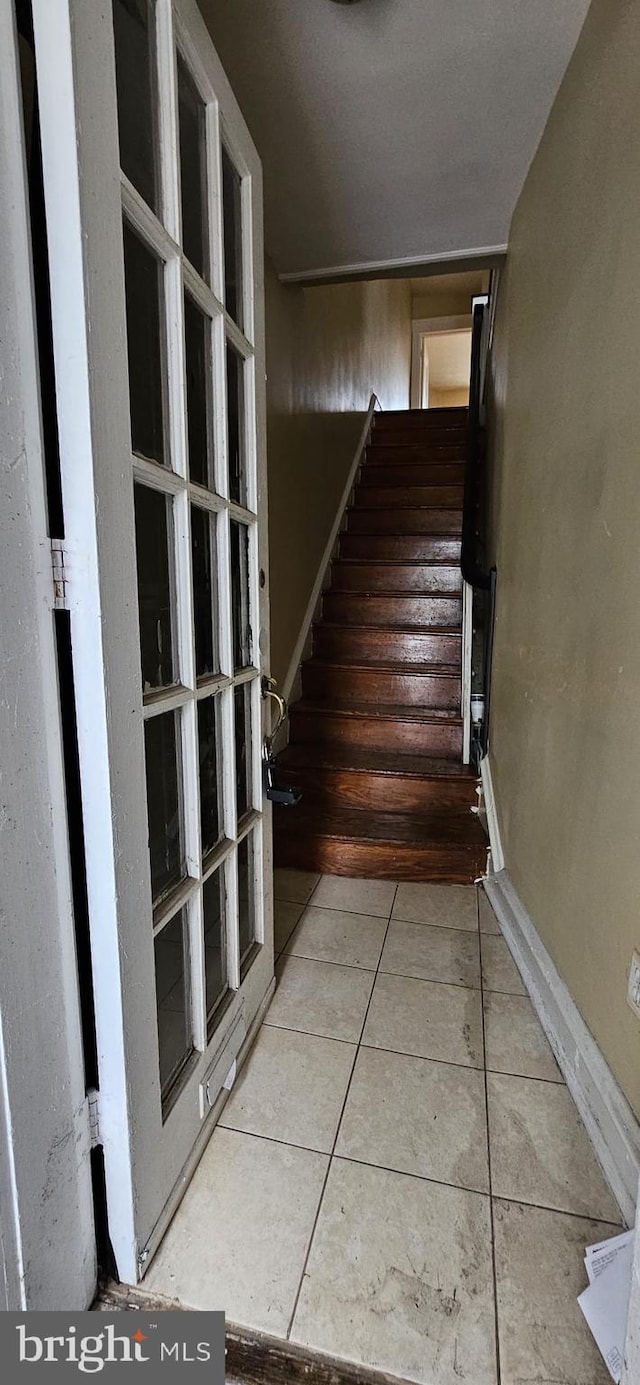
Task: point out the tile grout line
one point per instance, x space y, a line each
339 1123
420 1057
402 975
491 1208
331 909
422 1177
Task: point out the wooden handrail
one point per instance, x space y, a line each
473 571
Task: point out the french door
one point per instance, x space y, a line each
154 221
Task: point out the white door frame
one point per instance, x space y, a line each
430 326
84 192
48 1259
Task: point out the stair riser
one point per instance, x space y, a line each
407 737
423 438
344 684
400 548
412 474
392 611
450 417
388 793
385 646
454 865
447 455
388 497
405 521
395 577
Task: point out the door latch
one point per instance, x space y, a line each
286 794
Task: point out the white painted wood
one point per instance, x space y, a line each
496 860
47 1247
93 429
609 1121
210 1121
327 555
145 1151
467 649
410 265
416 380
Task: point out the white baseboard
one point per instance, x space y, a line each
303 634
493 826
609 1121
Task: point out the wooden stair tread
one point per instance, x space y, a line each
406 533
433 593
453 826
376 510
378 711
396 562
414 510
357 760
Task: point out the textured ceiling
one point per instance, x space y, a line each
392 129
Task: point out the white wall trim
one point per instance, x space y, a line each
609 1121
410 264
325 560
493 826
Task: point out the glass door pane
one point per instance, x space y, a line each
144 288
232 212
135 77
166 848
210 773
153 553
215 949
236 426
172 999
203 567
193 170
199 374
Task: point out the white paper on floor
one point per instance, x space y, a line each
605 1303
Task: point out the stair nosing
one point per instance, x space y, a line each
396 562
391 629
399 595
318 761
421 716
435 670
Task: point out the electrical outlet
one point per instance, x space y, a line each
633 992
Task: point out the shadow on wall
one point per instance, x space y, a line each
328 349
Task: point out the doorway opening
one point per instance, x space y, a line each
440 362
441 322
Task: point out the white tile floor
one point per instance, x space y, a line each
400 1177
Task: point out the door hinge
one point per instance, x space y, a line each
59 575
93 1100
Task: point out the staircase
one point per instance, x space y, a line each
376 739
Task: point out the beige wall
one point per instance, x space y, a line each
448 398
447 295
565 732
327 350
